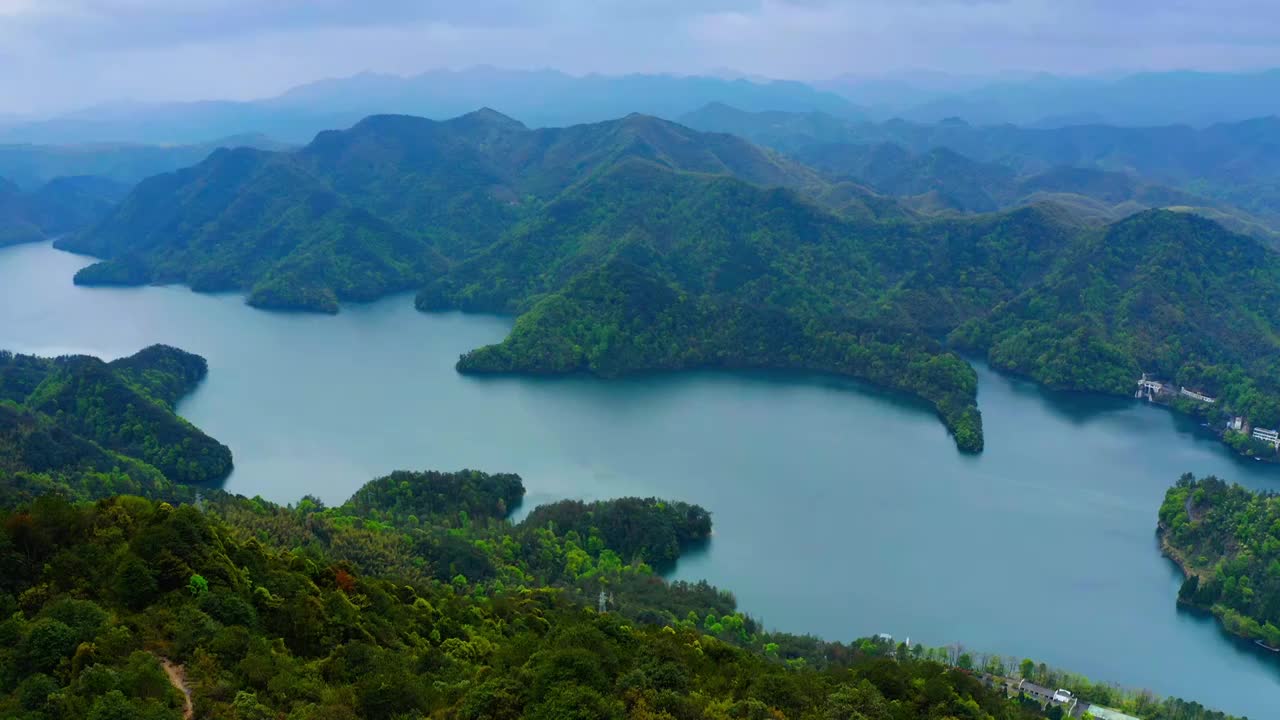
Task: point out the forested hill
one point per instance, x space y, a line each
1172 295
640 245
95 596
1227 541
62 205
386 205
418 598
100 427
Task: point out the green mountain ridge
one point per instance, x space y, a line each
640 245
379 208
1168 294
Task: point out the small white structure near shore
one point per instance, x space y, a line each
1149 388
1197 395
1267 436
1102 713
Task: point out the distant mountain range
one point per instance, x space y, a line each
30 166
548 98
1042 100
1225 171
544 98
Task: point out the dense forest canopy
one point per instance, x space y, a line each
1227 540
432 610
102 427
98 596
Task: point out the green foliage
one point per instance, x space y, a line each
1172 295
650 530
97 429
1227 540
639 245
62 205
432 494
198 585
320 646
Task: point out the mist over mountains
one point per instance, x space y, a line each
545 98
550 98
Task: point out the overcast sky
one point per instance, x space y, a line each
56 54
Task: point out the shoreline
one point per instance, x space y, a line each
1177 558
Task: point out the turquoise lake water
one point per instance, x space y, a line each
838 510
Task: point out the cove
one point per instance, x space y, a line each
838 511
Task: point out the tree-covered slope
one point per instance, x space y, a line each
62 205
254 220
1169 294
96 596
640 245
1227 541
942 181
643 268
101 425
382 207
404 609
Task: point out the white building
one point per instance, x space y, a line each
1102 713
1198 396
1267 436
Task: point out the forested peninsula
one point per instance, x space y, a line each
1226 539
639 245
101 428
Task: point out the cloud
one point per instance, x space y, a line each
58 53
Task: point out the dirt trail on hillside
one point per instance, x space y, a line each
178 679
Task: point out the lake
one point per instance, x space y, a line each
838 510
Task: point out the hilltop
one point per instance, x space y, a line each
384 206
641 245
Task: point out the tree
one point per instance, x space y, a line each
198 585
47 644
134 583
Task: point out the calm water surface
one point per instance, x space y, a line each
838 511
